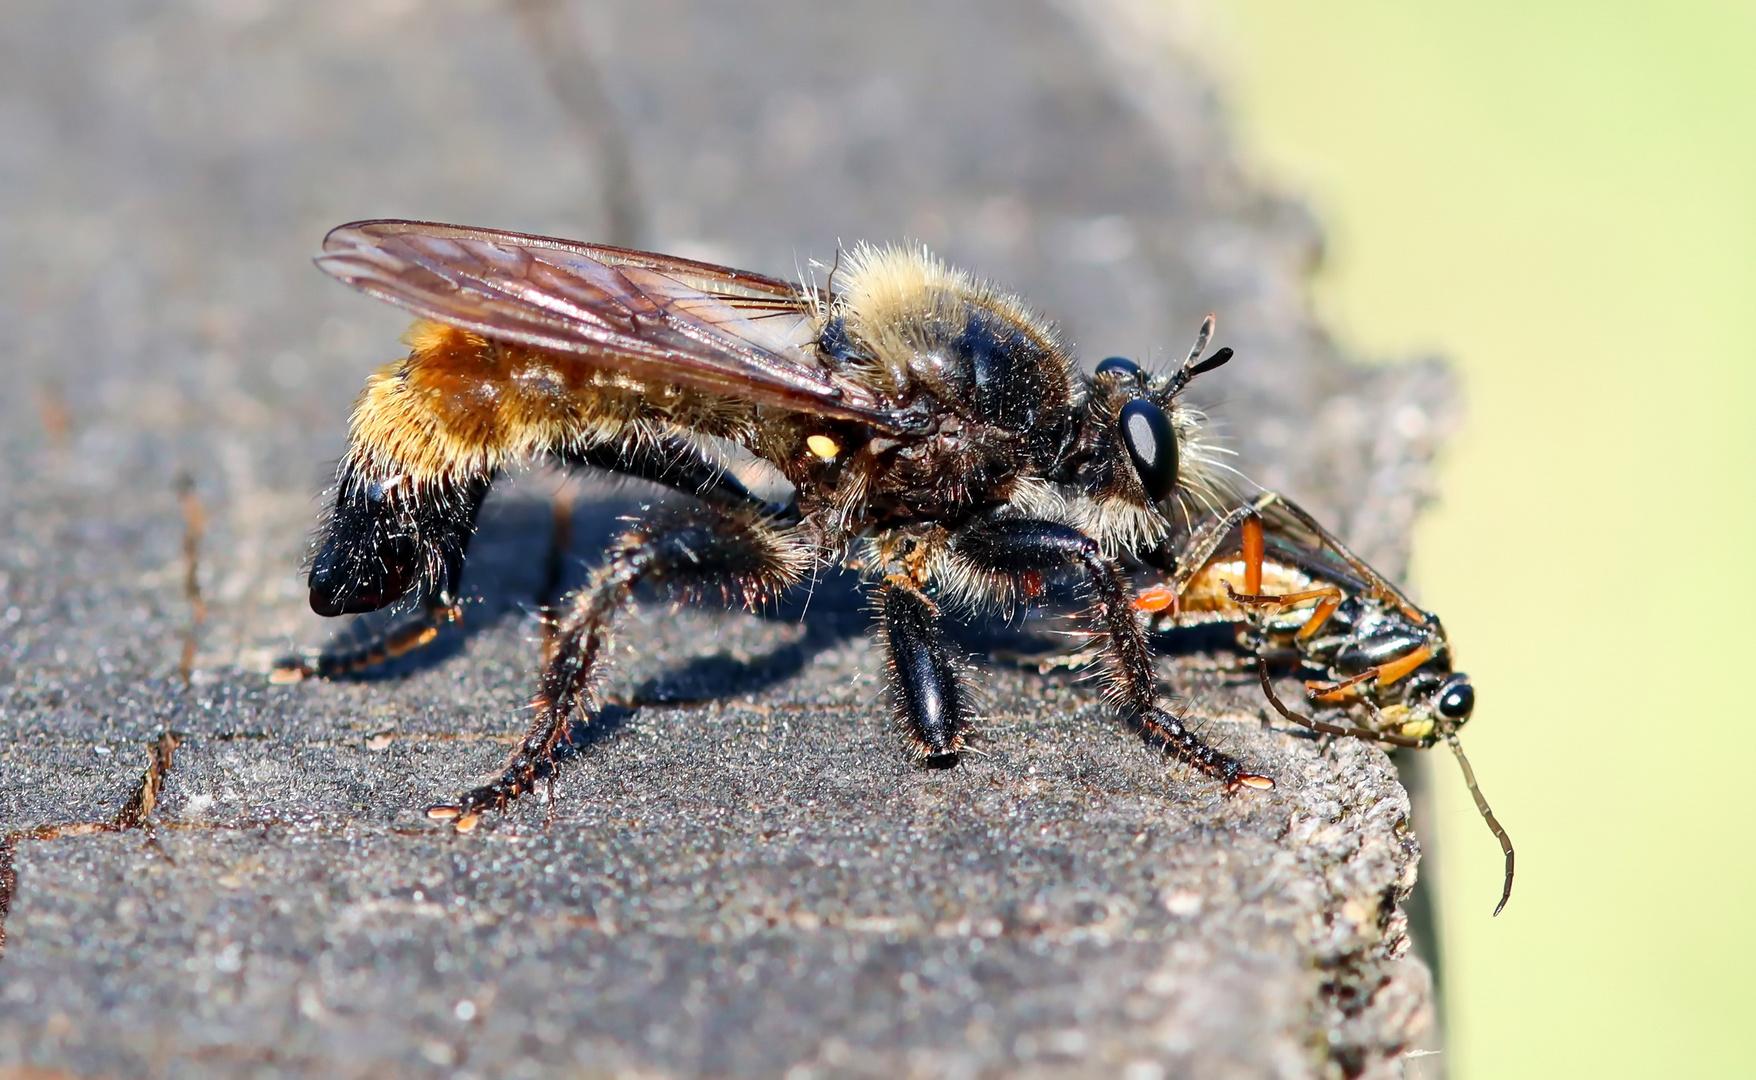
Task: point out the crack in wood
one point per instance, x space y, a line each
161 754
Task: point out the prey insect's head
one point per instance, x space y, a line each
1454 701
1434 700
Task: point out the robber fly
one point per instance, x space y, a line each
936 434
1302 599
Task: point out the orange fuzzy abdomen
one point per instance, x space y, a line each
462 406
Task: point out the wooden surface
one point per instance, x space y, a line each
741 875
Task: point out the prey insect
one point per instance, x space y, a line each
936 435
1303 599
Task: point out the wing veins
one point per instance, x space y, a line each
653 316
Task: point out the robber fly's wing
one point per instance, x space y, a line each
656 317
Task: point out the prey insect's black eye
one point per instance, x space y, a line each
1152 446
1457 698
1122 366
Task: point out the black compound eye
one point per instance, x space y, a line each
1120 365
1457 698
1152 446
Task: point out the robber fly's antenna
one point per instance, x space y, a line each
1469 777
1201 340
1194 365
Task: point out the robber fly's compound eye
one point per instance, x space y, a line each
1457 698
1120 365
1152 446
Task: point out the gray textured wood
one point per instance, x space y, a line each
742 875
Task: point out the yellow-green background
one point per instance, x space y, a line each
1561 198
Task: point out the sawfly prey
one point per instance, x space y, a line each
1303 600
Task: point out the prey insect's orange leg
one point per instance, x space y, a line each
1397 670
1329 598
1319 725
1387 675
1158 598
1253 548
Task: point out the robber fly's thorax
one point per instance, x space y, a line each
983 382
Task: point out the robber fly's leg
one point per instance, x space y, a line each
931 701
1016 548
670 461
735 554
350 655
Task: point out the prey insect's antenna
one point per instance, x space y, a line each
1469 777
1194 365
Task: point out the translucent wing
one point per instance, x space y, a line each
1292 534
656 317
1292 538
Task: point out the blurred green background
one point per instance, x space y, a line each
1560 197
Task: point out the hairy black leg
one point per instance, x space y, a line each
931 701
350 655
1015 548
740 555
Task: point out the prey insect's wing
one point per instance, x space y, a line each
1296 536
655 317
1291 536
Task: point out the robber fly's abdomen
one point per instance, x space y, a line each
460 406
